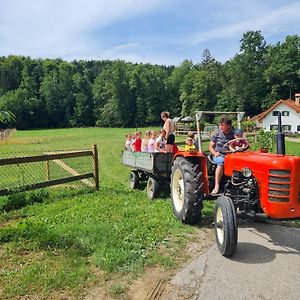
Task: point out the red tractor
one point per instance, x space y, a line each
255 183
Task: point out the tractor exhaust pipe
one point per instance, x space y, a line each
280 142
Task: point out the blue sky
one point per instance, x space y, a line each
149 31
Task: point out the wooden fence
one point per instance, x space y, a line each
56 158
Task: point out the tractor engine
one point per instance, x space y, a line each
243 190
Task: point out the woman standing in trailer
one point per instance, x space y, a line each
169 127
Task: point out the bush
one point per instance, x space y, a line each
265 139
248 126
19 200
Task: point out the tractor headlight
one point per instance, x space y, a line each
246 172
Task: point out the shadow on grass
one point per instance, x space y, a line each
207 218
164 189
206 221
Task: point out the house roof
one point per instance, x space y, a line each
289 102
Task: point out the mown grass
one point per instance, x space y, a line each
292 148
53 245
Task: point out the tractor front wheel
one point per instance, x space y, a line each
226 226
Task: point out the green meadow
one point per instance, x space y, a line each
63 240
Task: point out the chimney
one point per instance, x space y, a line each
297 98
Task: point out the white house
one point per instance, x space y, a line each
290 116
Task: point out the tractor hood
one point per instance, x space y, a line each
278 179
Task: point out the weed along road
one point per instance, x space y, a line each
265 266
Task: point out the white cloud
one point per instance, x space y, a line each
270 23
68 28
60 27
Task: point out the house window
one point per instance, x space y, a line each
298 127
286 127
285 113
275 113
273 127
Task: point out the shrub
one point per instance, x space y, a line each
19 200
265 139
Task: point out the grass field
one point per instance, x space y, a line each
68 240
60 243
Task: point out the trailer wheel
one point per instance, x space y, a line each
226 226
134 180
152 188
187 190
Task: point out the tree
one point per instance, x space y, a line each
283 72
244 86
6 116
84 109
201 86
10 73
174 86
111 91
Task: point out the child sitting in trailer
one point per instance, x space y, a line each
151 141
137 142
189 144
239 143
145 141
160 142
128 142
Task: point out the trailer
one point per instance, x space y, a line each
155 168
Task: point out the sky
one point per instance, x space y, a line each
164 32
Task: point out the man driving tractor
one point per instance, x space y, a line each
216 147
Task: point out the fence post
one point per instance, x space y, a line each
96 166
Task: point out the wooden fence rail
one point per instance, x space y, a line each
56 158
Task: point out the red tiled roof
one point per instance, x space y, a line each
289 102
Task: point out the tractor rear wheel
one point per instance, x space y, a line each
152 188
187 190
226 226
134 180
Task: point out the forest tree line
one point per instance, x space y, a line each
52 93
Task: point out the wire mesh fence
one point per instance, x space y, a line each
25 171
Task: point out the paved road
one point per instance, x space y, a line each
265 266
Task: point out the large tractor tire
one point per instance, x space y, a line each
187 190
226 226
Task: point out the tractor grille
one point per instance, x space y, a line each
279 184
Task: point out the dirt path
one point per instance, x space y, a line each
154 282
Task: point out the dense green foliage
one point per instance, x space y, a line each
6 117
55 93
